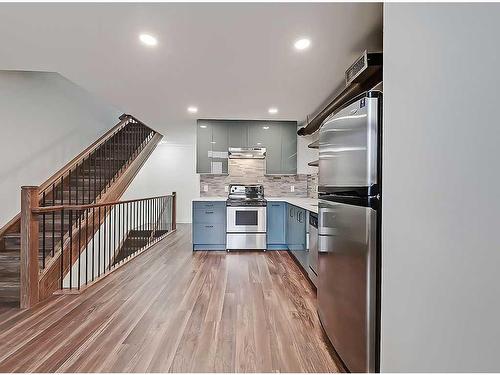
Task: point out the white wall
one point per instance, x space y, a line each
171 167
441 247
46 121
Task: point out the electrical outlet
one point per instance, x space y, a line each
292 188
226 188
205 188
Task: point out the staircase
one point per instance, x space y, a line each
90 178
136 240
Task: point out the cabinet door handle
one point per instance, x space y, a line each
209 226
275 205
209 212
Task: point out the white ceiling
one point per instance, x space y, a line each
230 60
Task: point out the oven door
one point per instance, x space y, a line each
246 219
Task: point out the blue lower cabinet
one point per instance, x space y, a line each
296 228
276 226
209 225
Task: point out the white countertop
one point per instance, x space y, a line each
309 204
210 199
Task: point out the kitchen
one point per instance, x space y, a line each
321 221
252 199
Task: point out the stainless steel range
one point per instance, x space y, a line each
246 218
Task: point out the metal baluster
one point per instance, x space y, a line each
76 173
148 215
79 245
62 190
99 242
104 242
87 246
100 171
43 232
69 186
94 176
53 218
109 234
115 232
62 247
144 230
93 243
70 249
115 158
119 229
137 224
89 161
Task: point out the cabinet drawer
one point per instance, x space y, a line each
209 205
208 234
209 216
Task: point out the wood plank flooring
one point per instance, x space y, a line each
172 310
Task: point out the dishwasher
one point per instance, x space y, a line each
313 248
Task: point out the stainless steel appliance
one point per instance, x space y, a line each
246 218
349 230
313 248
247 152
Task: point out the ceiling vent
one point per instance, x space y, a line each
363 67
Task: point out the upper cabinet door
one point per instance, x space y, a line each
289 148
257 134
273 148
219 147
238 134
203 146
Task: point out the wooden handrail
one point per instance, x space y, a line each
45 209
29 247
77 159
54 179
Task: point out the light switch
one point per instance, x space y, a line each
205 187
226 188
292 188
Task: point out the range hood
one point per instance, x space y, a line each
247 152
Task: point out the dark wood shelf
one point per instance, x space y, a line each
315 144
314 163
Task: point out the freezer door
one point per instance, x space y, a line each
348 143
347 281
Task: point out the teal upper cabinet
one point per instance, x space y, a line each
203 146
238 133
288 149
212 143
270 135
214 137
220 144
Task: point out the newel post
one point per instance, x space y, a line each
174 210
29 246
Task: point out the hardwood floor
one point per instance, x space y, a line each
172 310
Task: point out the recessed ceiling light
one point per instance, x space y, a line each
302 43
192 109
148 40
273 110
265 127
203 126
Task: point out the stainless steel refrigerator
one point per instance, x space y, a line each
349 230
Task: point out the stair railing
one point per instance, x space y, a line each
102 237
95 168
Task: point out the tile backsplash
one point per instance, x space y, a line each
252 171
312 185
